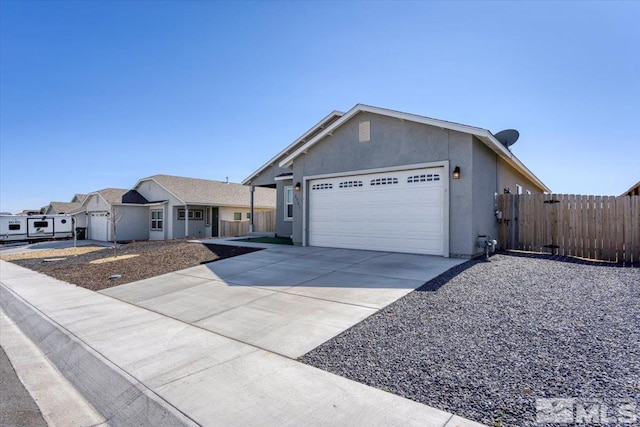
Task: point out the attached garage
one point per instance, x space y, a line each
99 226
398 211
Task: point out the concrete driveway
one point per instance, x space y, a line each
198 347
284 299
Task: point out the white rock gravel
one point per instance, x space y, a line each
486 339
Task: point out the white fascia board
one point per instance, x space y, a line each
491 141
290 147
86 199
161 186
283 178
360 108
95 193
483 134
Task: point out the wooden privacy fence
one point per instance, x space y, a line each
264 221
593 227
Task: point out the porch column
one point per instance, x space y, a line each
186 221
251 227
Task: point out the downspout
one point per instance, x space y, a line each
251 226
186 220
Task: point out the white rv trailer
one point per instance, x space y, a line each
35 227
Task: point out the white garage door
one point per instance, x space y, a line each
98 226
402 211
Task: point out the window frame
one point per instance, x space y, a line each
194 214
159 219
237 216
288 190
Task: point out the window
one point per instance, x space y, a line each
323 186
156 219
197 214
384 181
518 189
41 224
288 203
14 226
349 184
248 215
428 177
237 216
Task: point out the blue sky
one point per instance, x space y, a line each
97 94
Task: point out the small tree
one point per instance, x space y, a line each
114 218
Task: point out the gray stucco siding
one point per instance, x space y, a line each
394 143
460 195
268 175
485 180
402 144
283 228
132 222
508 177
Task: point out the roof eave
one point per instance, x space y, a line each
495 145
483 134
282 153
151 178
630 189
359 108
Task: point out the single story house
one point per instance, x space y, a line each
378 179
57 208
74 207
115 214
190 207
78 198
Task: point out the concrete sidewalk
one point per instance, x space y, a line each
137 366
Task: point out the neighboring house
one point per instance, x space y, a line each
378 179
32 212
116 214
189 207
633 191
56 208
73 208
78 198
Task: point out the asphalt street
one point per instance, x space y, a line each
17 407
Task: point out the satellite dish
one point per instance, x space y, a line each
507 137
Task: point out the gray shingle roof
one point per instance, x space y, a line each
121 195
65 207
79 198
217 193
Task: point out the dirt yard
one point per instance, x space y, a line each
132 262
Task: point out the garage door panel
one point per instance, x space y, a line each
98 226
395 211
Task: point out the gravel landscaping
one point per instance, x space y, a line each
134 261
486 339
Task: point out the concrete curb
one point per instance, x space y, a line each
116 395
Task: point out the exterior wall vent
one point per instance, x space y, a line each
364 131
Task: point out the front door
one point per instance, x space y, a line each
214 222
